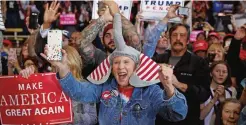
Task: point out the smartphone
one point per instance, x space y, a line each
183 11
54 45
211 57
12 54
33 20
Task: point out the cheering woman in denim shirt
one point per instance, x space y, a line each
129 97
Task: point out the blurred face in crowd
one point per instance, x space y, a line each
201 36
230 113
219 73
162 44
213 39
108 40
179 39
218 50
74 37
123 67
201 53
25 50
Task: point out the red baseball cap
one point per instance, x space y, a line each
200 45
7 42
214 34
107 28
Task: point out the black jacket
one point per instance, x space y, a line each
238 66
193 71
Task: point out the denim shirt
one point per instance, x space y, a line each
151 43
141 109
242 119
83 114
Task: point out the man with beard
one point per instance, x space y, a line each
107 39
191 73
82 41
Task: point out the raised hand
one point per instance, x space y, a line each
241 33
31 31
107 16
165 76
51 14
172 12
113 6
139 16
14 63
55 62
221 92
27 72
61 65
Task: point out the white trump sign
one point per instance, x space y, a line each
125 7
157 9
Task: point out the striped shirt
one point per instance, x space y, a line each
2 27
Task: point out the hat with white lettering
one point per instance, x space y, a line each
201 45
146 72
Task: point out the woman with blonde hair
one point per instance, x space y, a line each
215 53
74 62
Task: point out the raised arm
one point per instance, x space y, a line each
129 31
118 37
90 32
77 90
151 42
80 91
87 49
150 45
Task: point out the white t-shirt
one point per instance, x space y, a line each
210 118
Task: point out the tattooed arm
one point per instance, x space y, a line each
129 31
87 50
90 32
130 34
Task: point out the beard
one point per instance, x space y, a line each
108 49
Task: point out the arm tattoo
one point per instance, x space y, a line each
130 34
88 53
90 32
87 49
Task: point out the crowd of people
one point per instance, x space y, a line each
129 71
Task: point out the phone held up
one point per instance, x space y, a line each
54 45
33 20
183 11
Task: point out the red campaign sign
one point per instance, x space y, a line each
67 19
36 100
